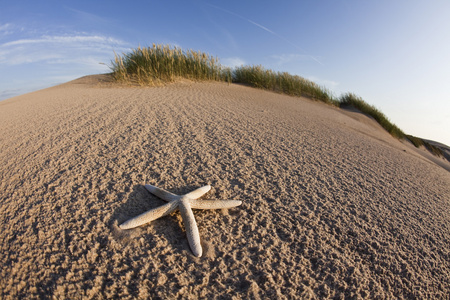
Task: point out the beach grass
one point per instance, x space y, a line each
418 142
281 82
350 99
160 64
163 63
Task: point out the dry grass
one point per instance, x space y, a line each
418 142
360 104
157 64
259 77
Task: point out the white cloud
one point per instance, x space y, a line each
6 29
62 48
232 62
289 58
324 82
82 39
87 17
5 94
37 59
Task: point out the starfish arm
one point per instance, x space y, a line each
214 204
191 227
160 193
198 192
150 215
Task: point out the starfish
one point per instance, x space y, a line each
184 203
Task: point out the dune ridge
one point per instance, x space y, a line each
333 206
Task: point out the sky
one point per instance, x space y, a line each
393 54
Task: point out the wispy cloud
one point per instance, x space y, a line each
5 94
265 29
56 57
324 82
232 62
224 40
6 29
283 59
65 40
87 17
50 48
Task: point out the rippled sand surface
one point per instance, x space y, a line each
333 206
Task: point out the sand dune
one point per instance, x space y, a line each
333 206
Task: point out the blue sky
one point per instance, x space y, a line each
394 54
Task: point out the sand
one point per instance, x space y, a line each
333 206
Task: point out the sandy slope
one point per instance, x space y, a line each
333 206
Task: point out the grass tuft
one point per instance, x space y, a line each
281 82
350 99
418 142
159 64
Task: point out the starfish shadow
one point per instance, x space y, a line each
169 227
139 201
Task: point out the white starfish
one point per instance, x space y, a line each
184 203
